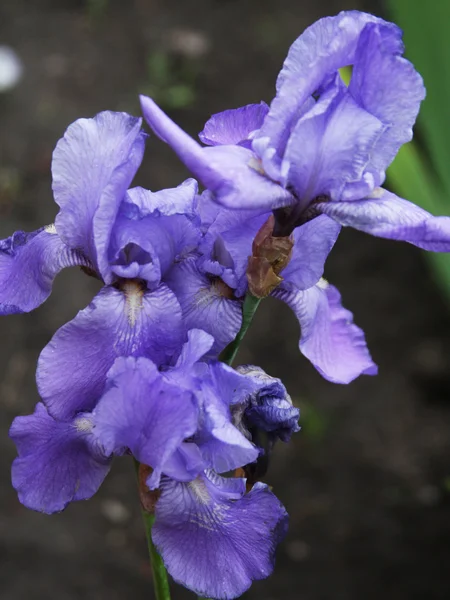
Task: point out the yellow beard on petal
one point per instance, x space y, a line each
134 294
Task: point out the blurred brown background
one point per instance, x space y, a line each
367 481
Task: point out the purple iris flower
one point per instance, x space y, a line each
93 165
211 283
210 287
216 539
177 420
126 238
188 438
321 147
153 412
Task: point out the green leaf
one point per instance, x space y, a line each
180 95
425 28
423 177
410 178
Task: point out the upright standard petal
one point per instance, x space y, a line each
72 368
330 146
141 411
329 338
386 85
234 126
93 165
29 262
385 215
213 538
58 462
216 219
151 232
232 173
198 345
167 202
322 49
207 303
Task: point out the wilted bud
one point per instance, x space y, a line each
270 255
148 497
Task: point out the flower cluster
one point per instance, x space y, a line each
138 371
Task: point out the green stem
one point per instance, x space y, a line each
160 580
251 303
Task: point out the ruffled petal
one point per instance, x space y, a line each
387 86
234 126
214 539
232 173
93 165
72 368
231 384
223 446
329 338
29 262
313 242
385 215
207 304
185 463
327 45
198 345
216 219
170 201
141 411
330 146
58 462
149 235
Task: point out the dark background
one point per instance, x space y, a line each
367 480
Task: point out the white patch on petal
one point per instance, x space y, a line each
322 284
51 229
208 518
134 294
83 425
376 193
256 164
205 296
198 487
217 290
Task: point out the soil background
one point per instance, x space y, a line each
366 482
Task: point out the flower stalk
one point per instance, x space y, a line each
160 579
249 308
147 501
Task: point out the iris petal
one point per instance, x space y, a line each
214 539
29 262
329 338
58 461
72 368
93 165
385 215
